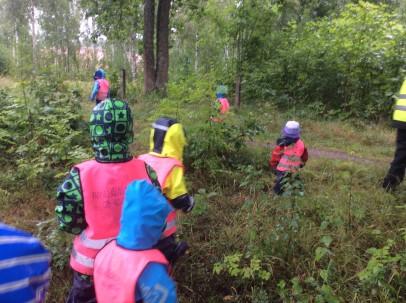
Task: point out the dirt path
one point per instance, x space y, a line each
334 155
340 155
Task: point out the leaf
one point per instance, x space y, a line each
326 240
324 274
320 253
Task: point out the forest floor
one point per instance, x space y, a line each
236 213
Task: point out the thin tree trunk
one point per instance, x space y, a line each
123 83
238 90
197 52
34 61
133 56
162 44
15 55
149 61
238 69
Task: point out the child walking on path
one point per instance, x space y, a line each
289 155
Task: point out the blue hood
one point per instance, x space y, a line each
143 216
99 74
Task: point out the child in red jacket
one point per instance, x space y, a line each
289 155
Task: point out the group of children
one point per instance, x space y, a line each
129 265
290 153
122 209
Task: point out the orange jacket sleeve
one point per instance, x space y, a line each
275 156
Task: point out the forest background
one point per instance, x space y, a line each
335 66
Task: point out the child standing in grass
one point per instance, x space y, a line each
289 155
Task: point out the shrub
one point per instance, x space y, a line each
42 132
214 149
344 66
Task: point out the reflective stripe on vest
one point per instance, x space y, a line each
81 259
224 105
94 244
163 167
291 159
103 187
103 89
170 227
117 271
399 114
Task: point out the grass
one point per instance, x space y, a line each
343 206
372 141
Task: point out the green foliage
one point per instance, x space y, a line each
251 270
201 198
246 272
344 66
251 178
215 148
292 185
116 20
4 61
57 241
42 132
385 273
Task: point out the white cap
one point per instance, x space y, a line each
292 125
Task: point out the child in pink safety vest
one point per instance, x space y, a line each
90 199
167 142
221 105
101 87
129 269
288 156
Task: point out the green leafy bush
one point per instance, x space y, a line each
385 274
216 148
4 62
344 66
42 133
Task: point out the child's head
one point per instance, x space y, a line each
99 74
291 130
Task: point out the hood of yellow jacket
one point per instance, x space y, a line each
167 138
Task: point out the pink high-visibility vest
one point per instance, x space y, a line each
291 159
103 188
117 270
103 89
224 105
163 167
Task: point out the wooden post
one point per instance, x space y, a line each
123 83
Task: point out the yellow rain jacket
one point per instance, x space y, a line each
399 113
167 142
172 147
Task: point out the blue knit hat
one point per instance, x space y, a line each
291 130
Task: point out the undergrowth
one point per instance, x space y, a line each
337 238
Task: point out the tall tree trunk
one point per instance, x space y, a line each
15 40
237 100
149 61
197 52
133 56
162 53
33 35
238 68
